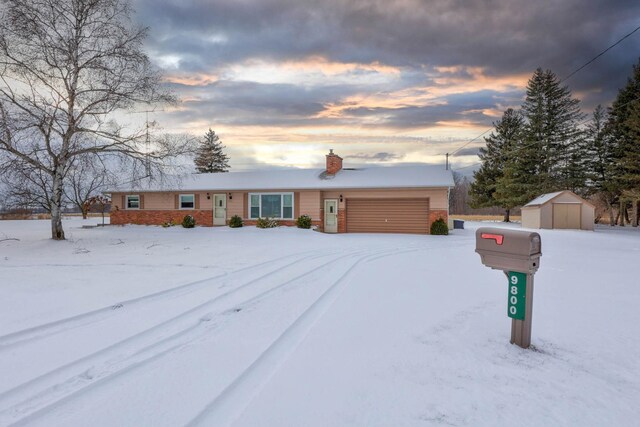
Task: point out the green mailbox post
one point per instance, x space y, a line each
517 253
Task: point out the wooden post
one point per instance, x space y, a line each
521 329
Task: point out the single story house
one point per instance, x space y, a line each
396 199
562 209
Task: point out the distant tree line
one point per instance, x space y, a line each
550 145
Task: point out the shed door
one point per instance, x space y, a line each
388 215
566 215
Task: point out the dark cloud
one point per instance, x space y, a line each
469 151
458 107
505 37
377 157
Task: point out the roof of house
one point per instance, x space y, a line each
545 198
305 179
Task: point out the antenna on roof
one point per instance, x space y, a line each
147 143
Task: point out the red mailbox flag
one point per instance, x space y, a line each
499 238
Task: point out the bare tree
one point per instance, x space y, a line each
25 186
66 67
86 179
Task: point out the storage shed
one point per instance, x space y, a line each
563 209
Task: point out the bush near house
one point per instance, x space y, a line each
188 221
303 221
168 224
439 227
267 223
235 222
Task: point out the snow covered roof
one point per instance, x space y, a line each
541 200
307 179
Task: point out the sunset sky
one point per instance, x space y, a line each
380 82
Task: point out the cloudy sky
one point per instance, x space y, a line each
282 81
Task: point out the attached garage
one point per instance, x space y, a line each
560 210
388 215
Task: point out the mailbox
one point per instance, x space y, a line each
509 250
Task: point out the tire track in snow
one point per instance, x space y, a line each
62 325
236 397
46 392
38 403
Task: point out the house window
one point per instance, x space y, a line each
272 205
255 206
187 201
133 202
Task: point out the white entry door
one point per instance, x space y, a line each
219 209
330 216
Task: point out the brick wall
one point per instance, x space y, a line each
334 163
158 217
342 219
284 222
435 214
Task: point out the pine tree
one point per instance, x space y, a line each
624 126
598 152
552 116
520 182
508 133
210 156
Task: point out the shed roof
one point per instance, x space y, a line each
541 200
304 179
546 198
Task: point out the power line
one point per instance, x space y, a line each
600 54
470 141
561 81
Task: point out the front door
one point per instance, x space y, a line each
331 216
219 209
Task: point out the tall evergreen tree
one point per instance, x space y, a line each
553 117
624 126
598 152
520 182
210 156
508 133
600 161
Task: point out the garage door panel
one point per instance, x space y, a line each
388 215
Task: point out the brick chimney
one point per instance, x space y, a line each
334 163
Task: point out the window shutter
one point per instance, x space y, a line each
142 201
296 205
245 207
196 200
176 201
123 204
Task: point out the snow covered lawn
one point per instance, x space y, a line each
284 327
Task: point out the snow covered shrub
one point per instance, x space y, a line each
267 223
235 221
439 227
303 221
188 221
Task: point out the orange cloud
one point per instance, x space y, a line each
191 79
